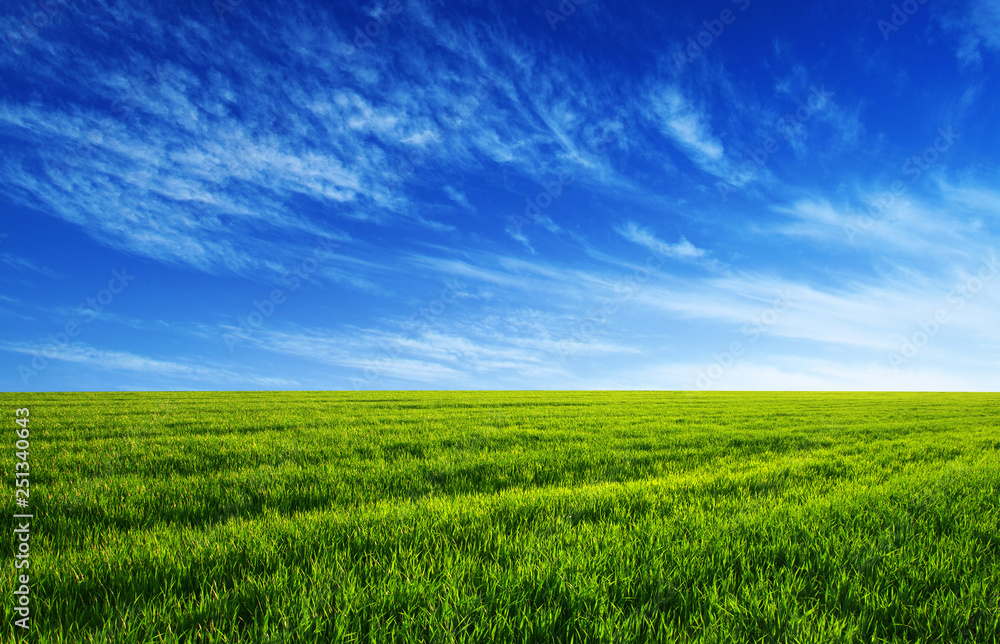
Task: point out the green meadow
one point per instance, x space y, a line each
509 517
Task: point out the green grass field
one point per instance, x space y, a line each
509 517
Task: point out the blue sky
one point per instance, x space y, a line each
419 195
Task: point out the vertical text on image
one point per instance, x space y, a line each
22 493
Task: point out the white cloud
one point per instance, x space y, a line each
797 373
459 198
980 32
688 126
131 363
939 227
23 264
683 249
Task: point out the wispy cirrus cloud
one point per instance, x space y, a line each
24 264
977 28
124 362
215 152
682 249
688 126
465 350
799 373
154 134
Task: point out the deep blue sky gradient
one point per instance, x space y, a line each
483 196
